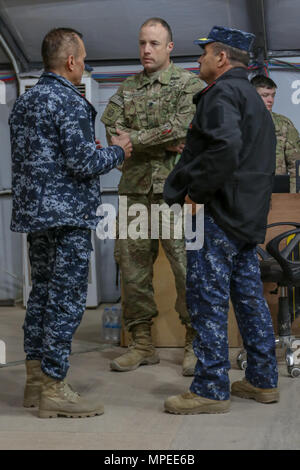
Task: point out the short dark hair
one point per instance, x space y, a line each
156 20
58 44
235 56
261 81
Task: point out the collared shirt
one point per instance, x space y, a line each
156 110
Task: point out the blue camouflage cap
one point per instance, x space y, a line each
231 37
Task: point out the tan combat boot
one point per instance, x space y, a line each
190 404
244 389
33 384
189 359
140 352
58 399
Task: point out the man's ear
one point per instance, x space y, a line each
70 62
222 59
170 46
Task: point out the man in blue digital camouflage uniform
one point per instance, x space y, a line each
228 165
55 178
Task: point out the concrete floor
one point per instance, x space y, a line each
134 418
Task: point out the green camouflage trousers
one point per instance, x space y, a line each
136 258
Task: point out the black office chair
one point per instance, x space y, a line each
278 265
281 183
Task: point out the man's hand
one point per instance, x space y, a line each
98 144
123 140
176 148
195 206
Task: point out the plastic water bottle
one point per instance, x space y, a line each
116 324
107 325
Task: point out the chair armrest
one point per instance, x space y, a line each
262 253
277 224
290 268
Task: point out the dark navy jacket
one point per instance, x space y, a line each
55 163
229 159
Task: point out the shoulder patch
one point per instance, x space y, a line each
117 99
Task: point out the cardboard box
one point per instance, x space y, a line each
167 330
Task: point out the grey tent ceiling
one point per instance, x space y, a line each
110 27
3 57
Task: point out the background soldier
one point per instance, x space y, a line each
56 192
155 108
287 136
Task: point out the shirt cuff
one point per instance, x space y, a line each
134 137
120 154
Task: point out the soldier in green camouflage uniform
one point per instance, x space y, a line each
288 142
155 108
287 148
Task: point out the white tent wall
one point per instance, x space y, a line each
110 29
287 102
10 243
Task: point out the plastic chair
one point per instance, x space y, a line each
277 265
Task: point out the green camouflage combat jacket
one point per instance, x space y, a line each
156 110
287 148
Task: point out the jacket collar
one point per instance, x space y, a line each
65 82
61 79
163 77
235 72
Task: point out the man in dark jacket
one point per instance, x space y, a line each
56 192
227 164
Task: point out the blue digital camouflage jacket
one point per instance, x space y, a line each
55 162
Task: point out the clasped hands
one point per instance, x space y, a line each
122 140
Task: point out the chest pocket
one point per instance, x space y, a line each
168 100
135 110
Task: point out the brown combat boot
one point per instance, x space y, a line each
189 359
58 399
191 404
140 352
244 389
34 378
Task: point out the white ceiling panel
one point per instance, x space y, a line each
110 27
282 24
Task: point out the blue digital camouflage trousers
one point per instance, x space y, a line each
59 259
226 267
